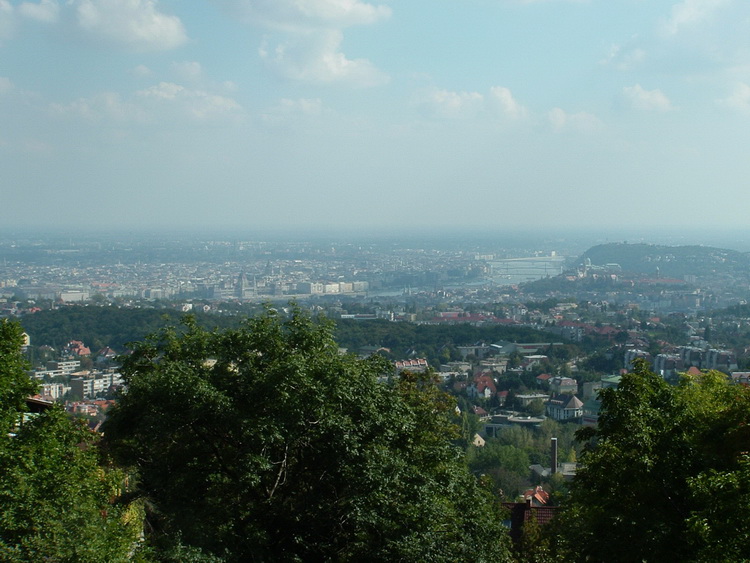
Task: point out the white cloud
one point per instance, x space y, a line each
302 106
739 99
134 24
288 110
7 17
162 102
453 105
107 106
508 105
5 84
450 104
308 37
196 104
581 121
293 14
624 58
141 71
691 12
316 57
649 100
46 11
188 70
162 91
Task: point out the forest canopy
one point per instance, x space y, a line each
294 452
665 475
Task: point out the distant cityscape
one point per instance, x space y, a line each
216 270
518 334
201 272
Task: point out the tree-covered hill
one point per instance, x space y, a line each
110 326
106 326
704 266
428 340
671 261
281 449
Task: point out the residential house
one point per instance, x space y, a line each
543 379
723 360
483 386
478 441
527 398
667 365
529 362
479 350
417 365
537 496
634 354
564 407
559 385
593 404
522 512
77 348
590 416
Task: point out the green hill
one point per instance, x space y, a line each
669 261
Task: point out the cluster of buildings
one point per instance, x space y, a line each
479 375
80 271
245 288
681 358
85 392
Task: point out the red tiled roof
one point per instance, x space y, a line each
522 512
537 495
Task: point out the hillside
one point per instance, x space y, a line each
669 261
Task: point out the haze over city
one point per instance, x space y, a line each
135 114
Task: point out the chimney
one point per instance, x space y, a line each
553 469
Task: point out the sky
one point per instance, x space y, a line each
289 114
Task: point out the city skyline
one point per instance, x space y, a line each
131 114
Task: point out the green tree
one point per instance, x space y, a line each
470 426
663 476
494 454
15 384
719 524
535 408
56 501
534 545
263 443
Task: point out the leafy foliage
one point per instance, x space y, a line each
427 339
105 326
264 443
56 501
116 327
660 459
15 385
506 457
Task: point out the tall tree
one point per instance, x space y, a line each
56 500
660 460
264 443
15 384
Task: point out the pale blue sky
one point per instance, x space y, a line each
315 113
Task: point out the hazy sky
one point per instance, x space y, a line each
275 113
